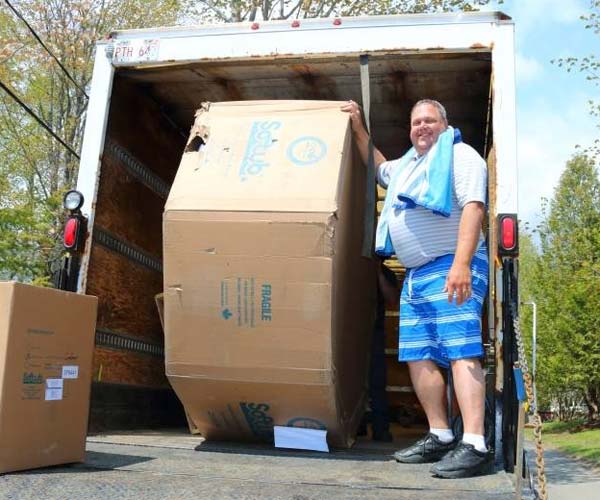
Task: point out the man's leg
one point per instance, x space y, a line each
459 330
430 388
470 457
419 347
469 385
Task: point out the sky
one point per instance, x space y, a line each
552 104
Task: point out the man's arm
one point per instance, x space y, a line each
459 277
361 136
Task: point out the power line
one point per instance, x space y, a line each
18 14
38 119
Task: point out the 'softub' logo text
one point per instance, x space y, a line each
259 142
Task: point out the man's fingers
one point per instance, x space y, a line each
462 294
351 107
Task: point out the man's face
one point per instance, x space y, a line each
426 124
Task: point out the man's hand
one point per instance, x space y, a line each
361 136
458 283
355 117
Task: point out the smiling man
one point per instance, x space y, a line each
431 220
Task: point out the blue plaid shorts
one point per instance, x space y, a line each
430 326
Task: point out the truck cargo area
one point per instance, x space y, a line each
165 465
151 111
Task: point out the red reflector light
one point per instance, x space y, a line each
508 233
296 24
255 26
70 234
337 22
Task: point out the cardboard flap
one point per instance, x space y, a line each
281 156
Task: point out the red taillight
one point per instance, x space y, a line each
255 26
508 233
337 22
296 24
71 233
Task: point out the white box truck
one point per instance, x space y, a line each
147 85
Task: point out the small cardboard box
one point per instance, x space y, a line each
46 348
268 304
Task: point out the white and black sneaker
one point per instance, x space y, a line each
464 461
425 450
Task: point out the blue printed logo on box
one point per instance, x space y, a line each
306 150
258 419
260 140
306 423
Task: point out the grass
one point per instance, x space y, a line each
570 438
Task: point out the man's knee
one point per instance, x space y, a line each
424 364
425 370
466 363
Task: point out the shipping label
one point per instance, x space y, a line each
54 383
44 369
54 394
70 371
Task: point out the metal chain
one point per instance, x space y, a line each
531 409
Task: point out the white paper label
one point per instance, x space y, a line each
54 394
137 50
300 439
71 371
54 383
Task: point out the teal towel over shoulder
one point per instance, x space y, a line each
424 182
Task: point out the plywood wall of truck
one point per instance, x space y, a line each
141 155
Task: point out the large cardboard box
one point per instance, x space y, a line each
269 305
46 347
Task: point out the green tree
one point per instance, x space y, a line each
565 283
35 169
589 66
528 257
